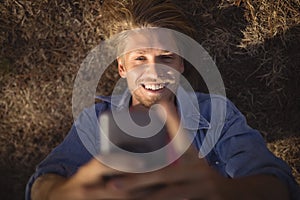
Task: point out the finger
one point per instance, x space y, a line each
105 193
92 172
181 142
142 192
123 162
180 191
168 175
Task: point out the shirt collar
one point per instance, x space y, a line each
185 102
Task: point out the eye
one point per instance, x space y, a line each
140 58
166 58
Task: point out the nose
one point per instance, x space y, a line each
153 71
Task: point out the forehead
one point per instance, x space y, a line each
149 39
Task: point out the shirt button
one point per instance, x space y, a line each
217 162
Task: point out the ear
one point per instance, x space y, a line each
121 67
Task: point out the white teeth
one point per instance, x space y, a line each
154 86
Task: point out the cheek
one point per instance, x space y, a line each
179 66
132 79
173 74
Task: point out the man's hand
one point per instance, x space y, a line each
192 178
87 184
189 178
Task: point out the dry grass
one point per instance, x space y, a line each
289 152
266 18
255 43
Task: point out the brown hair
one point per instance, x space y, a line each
134 14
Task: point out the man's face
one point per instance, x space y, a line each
152 74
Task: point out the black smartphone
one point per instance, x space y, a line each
138 132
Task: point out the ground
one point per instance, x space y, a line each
255 44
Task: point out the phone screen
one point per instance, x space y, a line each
144 139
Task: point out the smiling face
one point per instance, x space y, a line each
152 75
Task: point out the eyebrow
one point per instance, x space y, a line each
167 52
145 51
139 52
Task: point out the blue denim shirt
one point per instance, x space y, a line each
239 150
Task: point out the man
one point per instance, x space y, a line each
239 166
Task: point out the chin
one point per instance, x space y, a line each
148 104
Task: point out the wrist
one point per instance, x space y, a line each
43 186
54 192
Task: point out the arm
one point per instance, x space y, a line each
246 158
87 183
72 171
65 159
43 186
258 187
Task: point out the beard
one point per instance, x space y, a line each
148 101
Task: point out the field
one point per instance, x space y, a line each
255 44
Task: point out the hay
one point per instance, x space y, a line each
255 44
266 19
290 153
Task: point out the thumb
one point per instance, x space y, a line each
92 172
181 140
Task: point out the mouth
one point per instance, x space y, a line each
154 87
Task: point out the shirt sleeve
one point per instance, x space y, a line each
244 152
78 148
